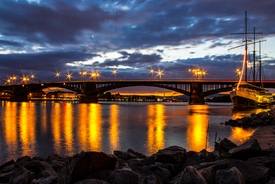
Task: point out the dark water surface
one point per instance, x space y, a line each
66 128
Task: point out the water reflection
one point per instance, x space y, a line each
95 123
197 128
114 131
10 128
27 128
68 127
56 127
156 124
239 135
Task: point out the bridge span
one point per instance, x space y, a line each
89 89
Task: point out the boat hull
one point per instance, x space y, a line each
250 99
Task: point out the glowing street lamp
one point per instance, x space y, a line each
9 81
239 73
69 76
114 74
32 77
197 72
25 79
83 73
13 78
151 71
57 74
94 75
160 73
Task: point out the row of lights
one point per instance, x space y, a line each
196 71
25 79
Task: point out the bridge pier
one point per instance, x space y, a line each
19 98
85 96
195 98
19 94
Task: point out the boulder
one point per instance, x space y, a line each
226 145
171 154
151 179
133 154
5 177
253 173
208 169
124 177
91 181
11 162
25 177
83 164
230 176
120 154
191 176
48 180
250 148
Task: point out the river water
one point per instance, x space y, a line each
42 128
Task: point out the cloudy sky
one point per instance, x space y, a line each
42 37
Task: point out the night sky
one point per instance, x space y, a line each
42 37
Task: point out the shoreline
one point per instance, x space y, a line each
265 136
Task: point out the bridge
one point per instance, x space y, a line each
89 89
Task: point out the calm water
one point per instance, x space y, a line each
65 128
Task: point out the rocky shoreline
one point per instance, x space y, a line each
227 164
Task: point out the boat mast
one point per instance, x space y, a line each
245 65
254 58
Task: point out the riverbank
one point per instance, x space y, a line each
265 136
228 163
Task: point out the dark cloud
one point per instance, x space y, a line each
46 61
130 60
10 43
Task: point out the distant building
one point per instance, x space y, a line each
60 94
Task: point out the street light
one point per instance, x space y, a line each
151 71
114 74
239 73
160 73
13 78
57 74
83 73
197 72
69 76
32 76
94 75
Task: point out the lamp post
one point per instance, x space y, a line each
160 73
114 74
83 73
57 74
32 77
69 77
239 74
197 72
151 71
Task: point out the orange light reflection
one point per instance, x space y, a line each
95 123
56 127
239 135
114 132
11 129
197 128
27 128
156 124
67 127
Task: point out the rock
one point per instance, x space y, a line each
151 179
231 176
120 154
208 169
191 176
48 180
124 177
11 162
132 154
83 164
271 182
226 145
171 154
161 173
101 175
253 173
47 170
5 177
251 148
91 181
257 122
26 177
269 152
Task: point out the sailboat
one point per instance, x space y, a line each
244 94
